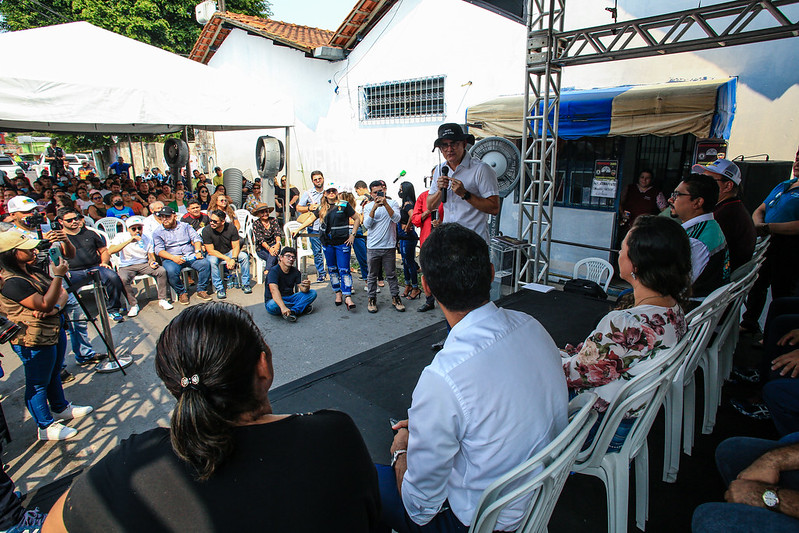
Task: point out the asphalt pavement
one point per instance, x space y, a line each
136 402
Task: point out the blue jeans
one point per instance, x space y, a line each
359 247
269 259
43 379
78 331
338 266
110 280
732 456
297 302
782 398
394 516
202 266
318 260
409 265
244 265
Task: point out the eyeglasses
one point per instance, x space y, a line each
69 220
136 228
289 256
447 146
677 194
214 221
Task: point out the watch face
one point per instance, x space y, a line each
770 498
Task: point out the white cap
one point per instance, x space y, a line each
330 184
134 221
20 204
723 167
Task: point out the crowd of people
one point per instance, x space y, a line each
462 431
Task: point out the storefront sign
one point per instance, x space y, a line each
709 150
605 179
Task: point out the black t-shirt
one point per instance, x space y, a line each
285 281
221 241
86 244
17 288
196 223
303 473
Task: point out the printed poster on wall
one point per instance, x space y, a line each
605 178
709 150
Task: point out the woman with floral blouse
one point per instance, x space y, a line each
266 233
655 259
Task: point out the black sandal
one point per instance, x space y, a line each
351 306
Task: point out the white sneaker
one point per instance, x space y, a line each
165 305
73 411
133 311
57 431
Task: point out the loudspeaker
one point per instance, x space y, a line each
758 178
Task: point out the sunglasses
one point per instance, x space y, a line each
69 220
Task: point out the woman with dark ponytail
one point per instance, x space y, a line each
227 462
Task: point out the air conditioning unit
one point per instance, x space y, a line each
203 12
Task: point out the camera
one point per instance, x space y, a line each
381 193
34 220
8 330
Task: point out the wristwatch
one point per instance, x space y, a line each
771 499
466 196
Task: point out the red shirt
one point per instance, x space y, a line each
416 218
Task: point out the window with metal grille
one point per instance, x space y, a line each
416 100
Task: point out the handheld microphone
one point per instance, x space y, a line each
398 177
445 173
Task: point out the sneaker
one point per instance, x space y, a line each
73 411
165 305
425 307
372 306
31 522
183 299
366 288
202 295
66 377
308 310
437 346
756 410
246 289
291 317
134 311
744 375
220 294
96 358
397 302
57 431
116 316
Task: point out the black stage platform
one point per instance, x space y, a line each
377 384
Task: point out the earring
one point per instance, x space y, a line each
633 275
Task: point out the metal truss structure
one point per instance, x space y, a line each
549 49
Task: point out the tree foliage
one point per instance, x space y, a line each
168 24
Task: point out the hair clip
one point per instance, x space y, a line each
190 382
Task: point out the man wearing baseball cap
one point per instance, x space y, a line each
472 190
730 213
137 258
179 247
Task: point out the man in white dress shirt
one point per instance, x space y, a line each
492 397
472 187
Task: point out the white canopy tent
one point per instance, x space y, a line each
136 88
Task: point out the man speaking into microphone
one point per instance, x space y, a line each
467 187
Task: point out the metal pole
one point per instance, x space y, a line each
287 191
188 162
130 151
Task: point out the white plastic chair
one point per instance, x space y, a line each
260 264
761 247
643 394
245 220
595 268
722 345
89 222
540 478
680 401
302 244
111 226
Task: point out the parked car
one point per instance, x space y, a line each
70 159
8 166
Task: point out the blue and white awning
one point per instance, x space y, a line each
703 108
